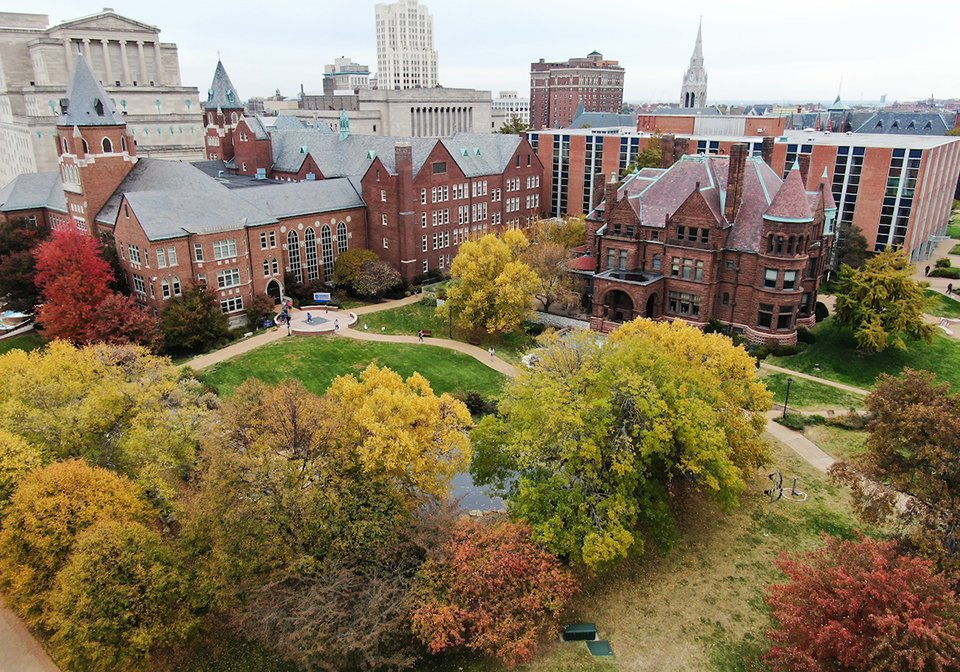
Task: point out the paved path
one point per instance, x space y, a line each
800 444
19 651
831 383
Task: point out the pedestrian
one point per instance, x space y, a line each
336 324
420 335
950 288
926 271
309 318
491 353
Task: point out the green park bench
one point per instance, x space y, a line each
580 632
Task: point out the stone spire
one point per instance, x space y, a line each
694 90
86 103
222 94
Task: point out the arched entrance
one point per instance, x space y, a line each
651 307
275 290
619 306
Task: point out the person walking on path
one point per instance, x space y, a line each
420 335
949 289
926 271
491 353
336 324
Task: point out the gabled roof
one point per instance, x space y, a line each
87 102
31 191
480 154
790 204
222 94
292 199
904 123
602 120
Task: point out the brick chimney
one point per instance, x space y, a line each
610 196
804 161
735 177
666 150
681 148
766 150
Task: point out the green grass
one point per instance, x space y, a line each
955 249
836 353
942 305
408 320
29 341
808 395
837 442
316 361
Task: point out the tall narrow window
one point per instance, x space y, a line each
293 250
326 247
310 254
342 238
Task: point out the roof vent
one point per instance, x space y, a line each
464 152
261 174
476 151
304 149
371 154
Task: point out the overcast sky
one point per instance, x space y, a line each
753 51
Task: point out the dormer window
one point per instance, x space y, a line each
98 106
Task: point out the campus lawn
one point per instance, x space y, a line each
28 341
837 442
839 359
809 395
942 305
408 320
317 360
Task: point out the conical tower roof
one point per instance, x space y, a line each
221 93
86 102
790 204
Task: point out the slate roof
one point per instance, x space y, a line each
291 199
33 190
603 120
711 111
222 93
904 123
790 203
495 151
88 103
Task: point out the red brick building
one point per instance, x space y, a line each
558 89
710 237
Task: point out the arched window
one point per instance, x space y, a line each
779 244
326 245
233 118
310 243
770 245
177 291
86 147
266 268
165 288
107 146
63 145
293 251
275 266
656 262
790 244
342 238
123 143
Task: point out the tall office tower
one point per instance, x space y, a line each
694 91
406 58
557 89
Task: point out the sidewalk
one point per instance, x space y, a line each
19 651
797 374
800 444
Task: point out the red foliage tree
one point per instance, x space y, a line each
493 590
861 606
118 320
74 279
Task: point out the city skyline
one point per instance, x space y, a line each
752 51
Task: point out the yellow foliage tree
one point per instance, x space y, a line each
567 232
493 289
17 459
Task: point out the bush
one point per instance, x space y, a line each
815 420
804 335
793 421
760 353
943 263
786 351
714 326
851 420
533 328
476 404
952 273
821 312
428 301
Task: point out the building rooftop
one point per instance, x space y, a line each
33 190
87 102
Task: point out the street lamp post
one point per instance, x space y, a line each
786 397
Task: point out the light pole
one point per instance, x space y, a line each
786 397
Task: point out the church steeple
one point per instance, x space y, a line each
222 110
694 90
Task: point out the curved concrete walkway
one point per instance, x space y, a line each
19 650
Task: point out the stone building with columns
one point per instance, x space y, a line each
139 72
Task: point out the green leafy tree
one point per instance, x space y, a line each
910 470
17 459
493 289
50 509
348 266
862 606
556 284
852 247
18 264
376 279
589 441
493 590
649 157
260 308
882 303
122 595
193 321
515 126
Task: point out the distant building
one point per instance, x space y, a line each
140 73
510 106
345 76
693 93
406 58
558 89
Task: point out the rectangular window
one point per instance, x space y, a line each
681 232
441 261
770 278
789 279
435 241
704 235
692 233
675 267
433 195
423 219
687 269
134 254
228 278
139 286
611 258
726 299
202 279
439 167
423 197
225 249
424 244
729 264
383 195
698 271
161 258
171 256
785 318
232 305
765 316
805 304
198 251
264 241
446 193
383 219
426 264
386 245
